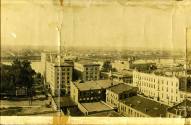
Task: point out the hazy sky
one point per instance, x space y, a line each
135 24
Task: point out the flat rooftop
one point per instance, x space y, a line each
96 107
146 106
120 88
122 74
87 63
92 85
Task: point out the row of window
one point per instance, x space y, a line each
153 80
113 95
95 68
63 73
160 88
67 81
130 112
152 94
90 98
64 69
111 101
89 93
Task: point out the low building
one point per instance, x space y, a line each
120 65
143 66
90 91
118 92
94 108
183 109
123 76
86 71
137 106
21 91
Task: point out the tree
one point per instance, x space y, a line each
107 66
7 84
20 73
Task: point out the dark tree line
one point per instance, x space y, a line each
20 73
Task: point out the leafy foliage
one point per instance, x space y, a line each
20 73
106 66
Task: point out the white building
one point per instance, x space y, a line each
164 89
59 76
57 72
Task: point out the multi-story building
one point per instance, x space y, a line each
57 72
118 92
58 77
164 89
137 106
180 110
122 76
90 91
87 71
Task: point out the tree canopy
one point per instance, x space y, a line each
106 66
20 73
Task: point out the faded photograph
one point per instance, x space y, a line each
96 58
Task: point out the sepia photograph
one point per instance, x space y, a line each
81 62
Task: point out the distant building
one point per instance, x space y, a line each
137 106
121 65
143 66
123 76
87 71
178 71
182 109
90 91
118 92
164 89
